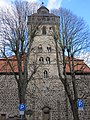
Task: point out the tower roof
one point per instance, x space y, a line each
44 17
42 10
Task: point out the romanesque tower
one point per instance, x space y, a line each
49 93
45 95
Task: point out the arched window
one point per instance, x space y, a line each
46 113
49 48
41 60
48 60
40 48
44 30
45 74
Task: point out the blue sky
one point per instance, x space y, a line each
79 7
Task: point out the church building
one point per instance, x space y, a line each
46 97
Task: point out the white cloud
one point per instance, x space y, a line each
2 3
5 4
31 0
51 3
85 56
54 4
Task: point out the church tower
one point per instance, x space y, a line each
49 94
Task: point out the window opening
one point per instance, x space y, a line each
44 30
49 49
43 19
50 28
41 60
3 116
48 19
48 60
45 74
40 48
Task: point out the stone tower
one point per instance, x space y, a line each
49 94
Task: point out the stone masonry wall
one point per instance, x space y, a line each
43 93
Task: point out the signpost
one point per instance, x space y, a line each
80 104
22 108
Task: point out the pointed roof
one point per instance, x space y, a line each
43 10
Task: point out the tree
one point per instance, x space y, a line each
14 41
73 37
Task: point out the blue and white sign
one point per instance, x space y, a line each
22 107
21 112
80 104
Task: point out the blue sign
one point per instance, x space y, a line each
80 104
22 107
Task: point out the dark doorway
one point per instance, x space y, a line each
46 113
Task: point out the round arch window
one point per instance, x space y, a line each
45 74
